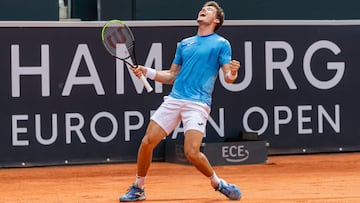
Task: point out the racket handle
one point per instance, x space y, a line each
146 83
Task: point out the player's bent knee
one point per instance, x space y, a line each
150 141
192 155
146 141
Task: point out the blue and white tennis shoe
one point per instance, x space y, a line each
133 194
231 191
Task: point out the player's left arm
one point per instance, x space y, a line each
230 67
230 71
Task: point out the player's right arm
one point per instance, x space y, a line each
168 76
162 76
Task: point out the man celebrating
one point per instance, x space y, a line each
193 73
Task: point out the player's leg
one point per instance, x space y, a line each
164 120
192 143
194 117
154 134
194 121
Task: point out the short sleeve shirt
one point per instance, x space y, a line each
200 58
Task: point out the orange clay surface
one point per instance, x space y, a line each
321 178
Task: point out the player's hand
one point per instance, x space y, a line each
234 66
139 71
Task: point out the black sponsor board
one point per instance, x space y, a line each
225 153
64 100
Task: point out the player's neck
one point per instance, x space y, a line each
205 30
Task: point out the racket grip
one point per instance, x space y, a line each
146 83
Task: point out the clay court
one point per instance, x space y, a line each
321 178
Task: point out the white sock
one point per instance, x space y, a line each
140 181
214 180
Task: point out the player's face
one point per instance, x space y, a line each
207 15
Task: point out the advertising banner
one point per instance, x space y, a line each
64 99
221 153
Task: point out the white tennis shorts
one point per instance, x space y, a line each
193 115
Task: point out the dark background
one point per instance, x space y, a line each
64 41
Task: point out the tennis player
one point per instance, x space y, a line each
193 73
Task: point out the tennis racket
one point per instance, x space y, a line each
116 33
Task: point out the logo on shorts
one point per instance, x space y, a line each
200 124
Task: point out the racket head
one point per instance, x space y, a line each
116 33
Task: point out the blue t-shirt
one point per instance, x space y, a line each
200 58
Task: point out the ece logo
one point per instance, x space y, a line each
235 153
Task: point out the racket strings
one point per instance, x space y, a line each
117 34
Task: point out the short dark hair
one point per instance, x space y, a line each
219 13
